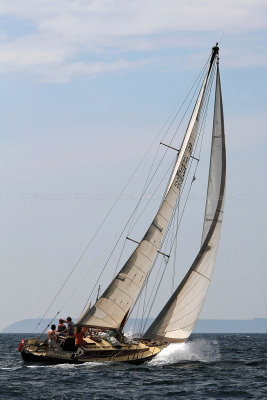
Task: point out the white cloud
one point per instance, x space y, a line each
68 35
65 73
138 17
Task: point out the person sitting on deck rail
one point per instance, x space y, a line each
52 337
78 334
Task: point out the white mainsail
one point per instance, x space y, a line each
177 319
111 308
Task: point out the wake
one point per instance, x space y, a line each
197 350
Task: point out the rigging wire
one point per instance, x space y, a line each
98 261
116 201
204 121
200 134
162 160
182 189
150 273
221 39
175 249
149 182
107 261
138 297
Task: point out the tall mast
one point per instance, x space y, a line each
111 308
177 319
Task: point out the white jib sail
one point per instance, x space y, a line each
114 304
177 319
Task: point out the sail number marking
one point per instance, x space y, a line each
182 169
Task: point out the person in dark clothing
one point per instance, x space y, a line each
70 330
61 327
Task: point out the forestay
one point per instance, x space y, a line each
111 308
177 319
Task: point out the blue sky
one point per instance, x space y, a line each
83 84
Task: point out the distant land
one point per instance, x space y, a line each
256 325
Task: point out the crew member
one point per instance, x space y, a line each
52 337
78 335
70 330
61 327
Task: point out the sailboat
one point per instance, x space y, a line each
105 320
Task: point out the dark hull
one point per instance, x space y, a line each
29 357
32 358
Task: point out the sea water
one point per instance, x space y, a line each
211 366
